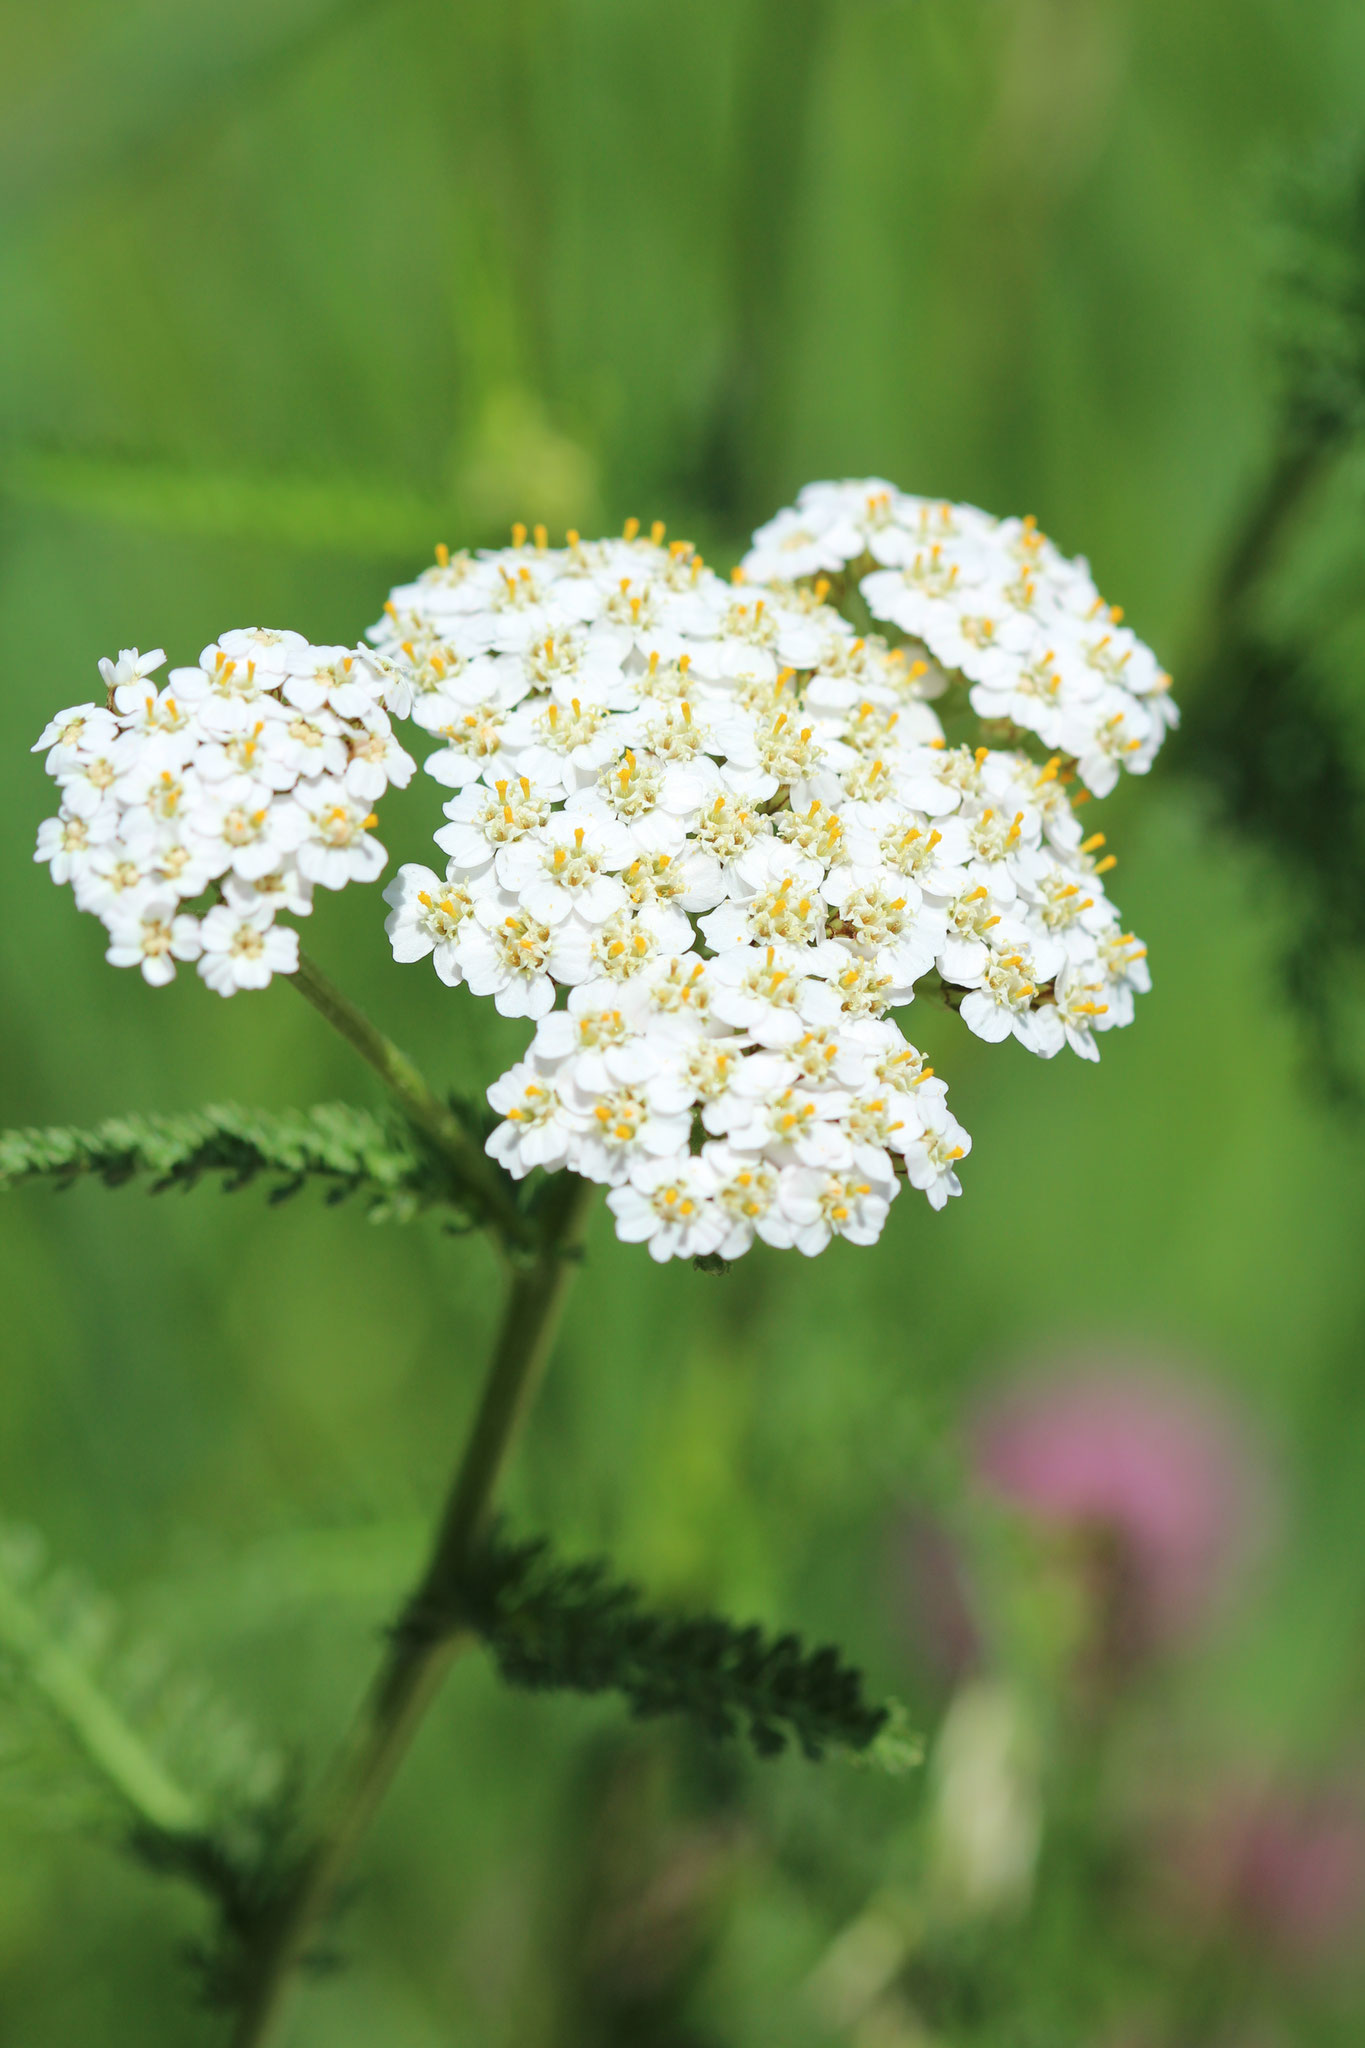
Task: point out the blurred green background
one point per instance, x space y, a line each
290 290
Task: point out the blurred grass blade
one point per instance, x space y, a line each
338 514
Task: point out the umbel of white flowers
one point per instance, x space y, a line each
704 834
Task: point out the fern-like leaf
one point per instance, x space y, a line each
572 1627
102 1727
347 1150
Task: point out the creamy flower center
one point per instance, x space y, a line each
443 915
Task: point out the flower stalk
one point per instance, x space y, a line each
437 1123
429 1633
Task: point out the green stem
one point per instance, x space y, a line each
116 1750
428 1636
438 1124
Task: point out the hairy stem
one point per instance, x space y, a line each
115 1749
428 1635
437 1123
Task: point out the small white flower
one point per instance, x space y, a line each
153 939
975 927
321 676
485 817
777 900
506 953
668 1206
284 888
130 668
560 746
823 1205
598 1030
248 834
538 1128
570 863
764 1109
82 731
759 990
243 949
1005 994
116 881
887 921
632 941
87 782
802 543
330 836
1123 962
746 1192
695 1071
269 651
426 917
621 1127
67 842
1079 1007
931 1158
375 760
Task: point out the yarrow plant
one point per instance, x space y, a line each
704 835
709 838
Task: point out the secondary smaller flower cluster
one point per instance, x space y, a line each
244 781
996 601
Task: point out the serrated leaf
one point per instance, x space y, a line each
572 1627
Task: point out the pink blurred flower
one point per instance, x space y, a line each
1280 1868
1158 1481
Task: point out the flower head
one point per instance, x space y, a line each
245 780
731 828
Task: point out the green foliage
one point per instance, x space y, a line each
996 248
1318 311
347 1150
1274 729
571 1627
100 1726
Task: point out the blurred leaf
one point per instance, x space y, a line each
172 1759
1318 307
324 515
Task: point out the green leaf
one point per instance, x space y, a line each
101 1726
571 1627
349 1151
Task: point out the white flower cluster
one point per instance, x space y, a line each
248 779
733 831
994 600
703 834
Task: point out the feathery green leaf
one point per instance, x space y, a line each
352 1152
101 1726
572 1627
